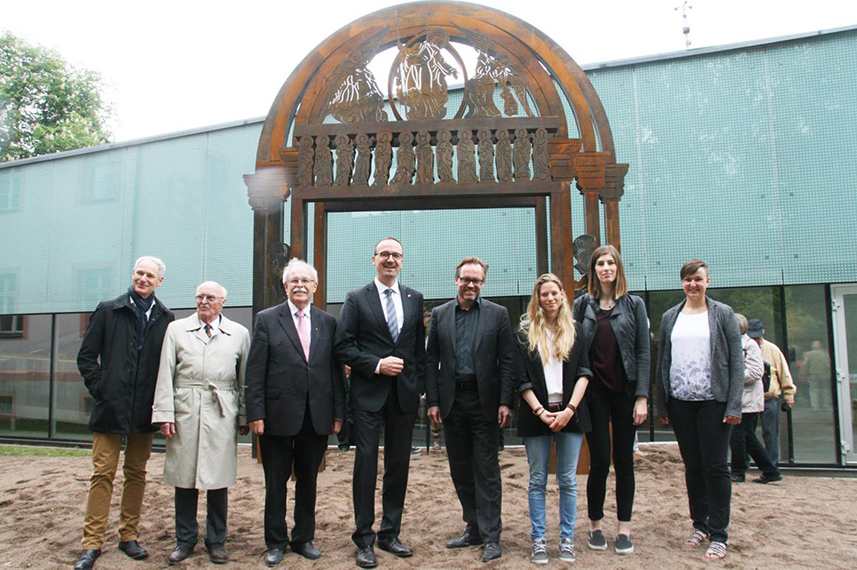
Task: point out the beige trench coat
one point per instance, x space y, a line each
201 389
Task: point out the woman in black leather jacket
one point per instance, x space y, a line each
616 330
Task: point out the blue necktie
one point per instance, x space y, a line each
392 319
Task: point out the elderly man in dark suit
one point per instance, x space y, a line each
118 360
470 390
295 399
382 337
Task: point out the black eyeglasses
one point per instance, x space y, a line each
468 281
387 254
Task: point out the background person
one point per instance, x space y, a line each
780 394
118 360
699 380
743 439
554 377
381 336
199 407
470 391
615 326
295 400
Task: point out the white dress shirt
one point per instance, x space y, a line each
397 301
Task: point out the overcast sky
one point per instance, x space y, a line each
181 64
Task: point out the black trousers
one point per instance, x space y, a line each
398 433
471 445
744 441
187 528
703 440
306 449
604 406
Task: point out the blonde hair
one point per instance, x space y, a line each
536 328
742 323
594 285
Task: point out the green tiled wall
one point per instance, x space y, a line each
741 157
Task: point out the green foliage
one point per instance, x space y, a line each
27 451
46 105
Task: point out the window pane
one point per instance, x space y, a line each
809 358
72 402
24 371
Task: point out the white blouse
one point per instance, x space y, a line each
690 371
553 373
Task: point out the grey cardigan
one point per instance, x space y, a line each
727 357
630 324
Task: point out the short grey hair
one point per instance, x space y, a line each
162 269
216 284
296 264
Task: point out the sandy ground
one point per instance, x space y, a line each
798 523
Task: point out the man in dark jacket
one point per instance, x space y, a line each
470 390
118 360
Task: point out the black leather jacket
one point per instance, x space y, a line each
631 327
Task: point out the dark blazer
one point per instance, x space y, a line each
362 339
108 359
494 356
727 357
532 376
630 324
279 379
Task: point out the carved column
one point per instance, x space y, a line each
590 170
611 194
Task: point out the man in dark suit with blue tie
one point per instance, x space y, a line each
382 337
470 390
295 399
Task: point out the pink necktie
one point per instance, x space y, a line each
303 333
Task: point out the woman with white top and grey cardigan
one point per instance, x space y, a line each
699 380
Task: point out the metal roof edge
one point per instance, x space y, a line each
714 49
132 142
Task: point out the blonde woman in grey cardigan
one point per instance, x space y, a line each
699 380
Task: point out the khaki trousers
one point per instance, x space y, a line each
105 459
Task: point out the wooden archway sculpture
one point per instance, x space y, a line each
330 140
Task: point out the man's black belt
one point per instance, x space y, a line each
466 382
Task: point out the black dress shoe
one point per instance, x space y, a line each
394 547
181 552
217 554
306 549
87 559
765 478
366 557
736 477
466 539
133 549
492 552
273 557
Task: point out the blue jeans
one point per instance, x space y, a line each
567 453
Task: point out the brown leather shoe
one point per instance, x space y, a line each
181 552
217 554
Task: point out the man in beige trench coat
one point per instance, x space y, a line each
199 405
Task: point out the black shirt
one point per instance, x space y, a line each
466 323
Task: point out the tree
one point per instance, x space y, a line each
46 105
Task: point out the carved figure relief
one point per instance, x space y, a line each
492 70
383 159
444 157
323 167
522 152
486 156
405 160
420 76
541 171
364 160
354 94
504 156
305 153
425 159
466 159
344 160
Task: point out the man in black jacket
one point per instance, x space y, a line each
295 399
382 337
470 390
118 360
